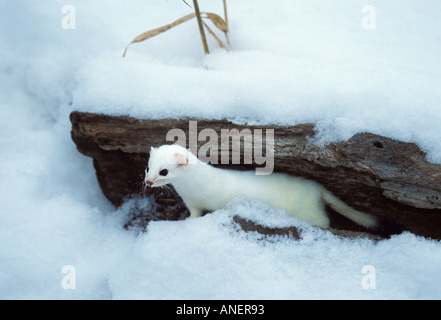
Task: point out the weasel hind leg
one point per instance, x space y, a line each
319 218
194 212
312 212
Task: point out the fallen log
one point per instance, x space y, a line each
294 233
374 174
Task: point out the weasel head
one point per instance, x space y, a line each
167 163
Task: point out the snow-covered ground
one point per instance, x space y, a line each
290 62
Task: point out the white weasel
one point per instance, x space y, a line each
204 187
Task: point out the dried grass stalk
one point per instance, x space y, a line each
201 27
215 19
226 14
226 22
155 32
219 42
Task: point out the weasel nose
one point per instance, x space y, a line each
149 182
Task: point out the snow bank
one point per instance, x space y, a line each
210 258
291 62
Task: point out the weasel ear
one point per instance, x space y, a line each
181 159
152 149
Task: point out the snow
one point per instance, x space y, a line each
290 62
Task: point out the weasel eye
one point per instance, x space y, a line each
147 169
163 172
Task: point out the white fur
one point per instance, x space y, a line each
204 187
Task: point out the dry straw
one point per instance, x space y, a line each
217 21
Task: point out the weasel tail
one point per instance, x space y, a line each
358 217
203 187
382 227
